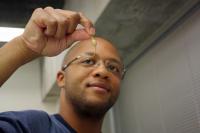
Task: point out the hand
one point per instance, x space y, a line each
50 31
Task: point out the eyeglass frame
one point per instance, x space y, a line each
64 67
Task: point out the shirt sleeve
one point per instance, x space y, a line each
30 121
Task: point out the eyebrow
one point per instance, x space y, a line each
89 53
111 59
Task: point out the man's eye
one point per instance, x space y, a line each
88 62
113 68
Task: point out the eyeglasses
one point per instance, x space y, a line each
111 65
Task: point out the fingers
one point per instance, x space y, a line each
59 23
62 22
78 35
84 21
87 24
45 21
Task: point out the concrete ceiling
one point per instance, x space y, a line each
134 25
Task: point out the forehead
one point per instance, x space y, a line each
104 49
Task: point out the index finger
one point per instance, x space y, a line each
84 21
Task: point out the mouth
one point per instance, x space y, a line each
98 86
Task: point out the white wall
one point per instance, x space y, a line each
23 90
161 91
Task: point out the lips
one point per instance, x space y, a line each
99 85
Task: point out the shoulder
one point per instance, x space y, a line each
28 120
24 115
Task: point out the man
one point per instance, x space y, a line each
89 80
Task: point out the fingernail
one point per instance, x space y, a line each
92 31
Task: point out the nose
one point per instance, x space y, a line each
100 71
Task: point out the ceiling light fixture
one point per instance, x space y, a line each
8 33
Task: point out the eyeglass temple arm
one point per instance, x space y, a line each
65 66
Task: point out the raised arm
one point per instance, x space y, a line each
48 33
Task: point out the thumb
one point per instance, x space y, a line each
78 35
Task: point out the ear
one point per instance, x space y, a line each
60 79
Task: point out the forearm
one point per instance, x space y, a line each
13 55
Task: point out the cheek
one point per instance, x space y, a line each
75 77
116 82
116 85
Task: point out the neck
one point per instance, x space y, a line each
79 123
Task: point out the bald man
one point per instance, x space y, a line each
89 79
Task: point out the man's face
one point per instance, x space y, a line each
91 83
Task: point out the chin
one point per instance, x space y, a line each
92 106
98 99
93 110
